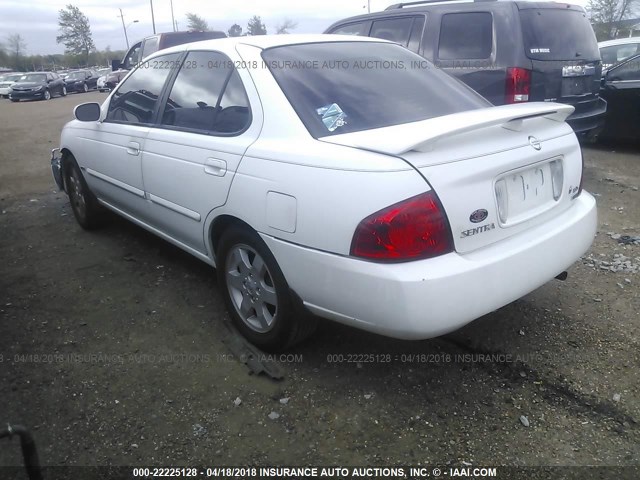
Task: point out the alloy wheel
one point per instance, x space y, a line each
251 288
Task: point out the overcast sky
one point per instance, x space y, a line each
37 20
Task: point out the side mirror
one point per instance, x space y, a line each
87 112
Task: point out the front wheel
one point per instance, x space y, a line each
256 293
85 88
64 91
84 204
47 95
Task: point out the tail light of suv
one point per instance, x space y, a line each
518 85
416 228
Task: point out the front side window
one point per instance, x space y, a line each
618 53
359 86
136 98
466 36
629 71
207 96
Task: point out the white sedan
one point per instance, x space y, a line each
346 177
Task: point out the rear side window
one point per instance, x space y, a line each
136 98
352 29
377 85
558 34
466 36
207 96
396 30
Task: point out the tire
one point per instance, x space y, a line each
64 91
85 88
84 204
47 95
256 293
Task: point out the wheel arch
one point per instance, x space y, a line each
220 224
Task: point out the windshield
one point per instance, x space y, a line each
34 77
352 86
555 34
76 76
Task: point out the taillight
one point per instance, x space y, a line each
415 228
518 85
581 176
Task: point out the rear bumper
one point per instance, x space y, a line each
427 298
590 119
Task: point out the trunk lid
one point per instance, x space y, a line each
492 168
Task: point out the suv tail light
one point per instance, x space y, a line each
413 229
517 85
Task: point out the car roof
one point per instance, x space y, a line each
619 41
266 41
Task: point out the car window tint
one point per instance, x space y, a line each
207 95
558 34
628 71
351 29
395 29
416 34
358 86
136 98
466 36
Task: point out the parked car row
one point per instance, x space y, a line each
45 85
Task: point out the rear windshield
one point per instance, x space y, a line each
180 38
352 86
555 34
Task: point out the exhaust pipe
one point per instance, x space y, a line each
563 276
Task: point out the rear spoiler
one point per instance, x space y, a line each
421 136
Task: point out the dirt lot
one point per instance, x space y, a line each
112 350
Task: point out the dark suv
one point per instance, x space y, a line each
507 51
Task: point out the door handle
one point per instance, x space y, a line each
215 166
133 148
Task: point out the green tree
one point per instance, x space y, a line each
196 22
256 27
75 32
235 30
605 15
286 25
16 47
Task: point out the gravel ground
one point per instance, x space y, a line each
114 350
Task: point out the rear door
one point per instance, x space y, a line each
560 43
204 128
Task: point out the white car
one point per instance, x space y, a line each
617 50
7 81
343 176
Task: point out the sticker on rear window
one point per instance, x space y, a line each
539 50
332 116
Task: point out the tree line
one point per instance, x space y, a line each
255 26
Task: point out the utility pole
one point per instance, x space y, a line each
153 18
126 38
173 20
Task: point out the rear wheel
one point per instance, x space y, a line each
256 293
84 204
